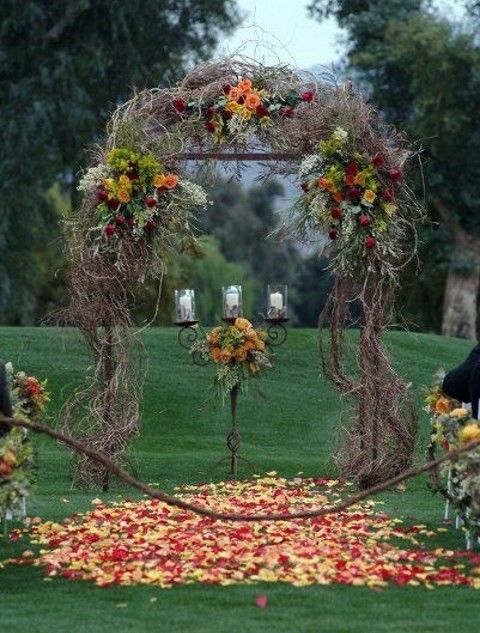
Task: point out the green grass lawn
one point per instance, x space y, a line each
291 430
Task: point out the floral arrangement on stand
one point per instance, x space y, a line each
451 426
239 352
242 108
350 196
137 197
29 399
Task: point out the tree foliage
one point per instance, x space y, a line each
423 72
63 66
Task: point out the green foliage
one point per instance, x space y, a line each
422 70
63 67
242 220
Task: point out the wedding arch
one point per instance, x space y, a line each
138 206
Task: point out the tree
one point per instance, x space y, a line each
242 220
63 67
422 71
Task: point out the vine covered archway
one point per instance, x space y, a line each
138 206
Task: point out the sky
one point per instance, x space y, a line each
280 31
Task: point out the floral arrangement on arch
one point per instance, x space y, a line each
136 197
351 198
242 108
29 399
452 426
239 352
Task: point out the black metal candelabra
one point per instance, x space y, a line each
189 332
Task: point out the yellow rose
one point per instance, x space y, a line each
233 106
123 195
359 179
470 433
265 121
108 183
369 196
159 180
245 113
10 458
390 208
125 182
459 413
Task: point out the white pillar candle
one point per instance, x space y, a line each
232 300
185 307
276 300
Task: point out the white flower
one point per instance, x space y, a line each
196 194
94 177
339 134
310 164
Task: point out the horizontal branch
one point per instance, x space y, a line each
238 156
227 516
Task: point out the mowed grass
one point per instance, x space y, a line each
292 429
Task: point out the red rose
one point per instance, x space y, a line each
150 201
352 169
394 174
387 195
110 230
133 173
378 160
102 196
262 111
131 222
337 213
349 180
307 96
364 220
160 191
120 219
180 105
150 225
5 469
333 233
287 112
210 112
370 242
211 127
113 203
354 194
226 89
304 186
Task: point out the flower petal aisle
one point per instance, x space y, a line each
149 542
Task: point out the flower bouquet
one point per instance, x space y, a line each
239 352
29 399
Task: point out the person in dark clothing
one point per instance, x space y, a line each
5 400
463 382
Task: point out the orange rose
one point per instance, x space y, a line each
252 101
123 195
242 324
260 345
324 183
240 354
245 85
226 355
217 354
337 196
234 94
442 405
249 344
171 181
